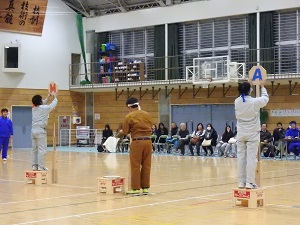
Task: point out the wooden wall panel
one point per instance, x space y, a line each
11 96
281 99
113 111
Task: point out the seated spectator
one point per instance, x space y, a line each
123 140
266 142
292 133
278 135
173 138
183 134
231 147
110 145
106 133
154 129
210 136
196 139
162 133
220 148
154 135
174 129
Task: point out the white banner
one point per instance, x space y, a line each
284 112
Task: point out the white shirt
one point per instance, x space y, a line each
247 113
40 114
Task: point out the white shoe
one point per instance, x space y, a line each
251 186
4 159
242 185
34 167
41 168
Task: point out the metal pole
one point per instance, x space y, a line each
69 138
257 90
258 37
166 52
54 158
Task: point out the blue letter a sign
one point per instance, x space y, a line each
257 74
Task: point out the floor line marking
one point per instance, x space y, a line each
41 199
137 206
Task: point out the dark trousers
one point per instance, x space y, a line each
198 144
267 149
181 144
210 148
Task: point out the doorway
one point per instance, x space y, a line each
75 69
22 119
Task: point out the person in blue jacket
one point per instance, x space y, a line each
292 133
6 130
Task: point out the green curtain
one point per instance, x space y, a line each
81 40
252 40
159 52
266 41
173 51
102 38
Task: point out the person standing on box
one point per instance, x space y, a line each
6 130
40 114
138 123
248 126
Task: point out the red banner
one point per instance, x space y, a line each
23 16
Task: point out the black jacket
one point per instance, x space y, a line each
160 132
174 131
226 136
266 135
106 134
278 134
211 135
183 133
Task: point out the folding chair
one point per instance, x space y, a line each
161 142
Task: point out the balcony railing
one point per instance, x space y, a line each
280 62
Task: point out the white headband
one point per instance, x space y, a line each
130 105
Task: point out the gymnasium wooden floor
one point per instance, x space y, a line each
186 190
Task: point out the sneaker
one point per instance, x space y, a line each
34 167
4 159
41 168
145 191
242 185
133 192
251 186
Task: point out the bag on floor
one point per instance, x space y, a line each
206 143
100 148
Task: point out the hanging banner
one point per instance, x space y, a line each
23 16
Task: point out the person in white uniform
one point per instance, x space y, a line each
40 114
248 126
